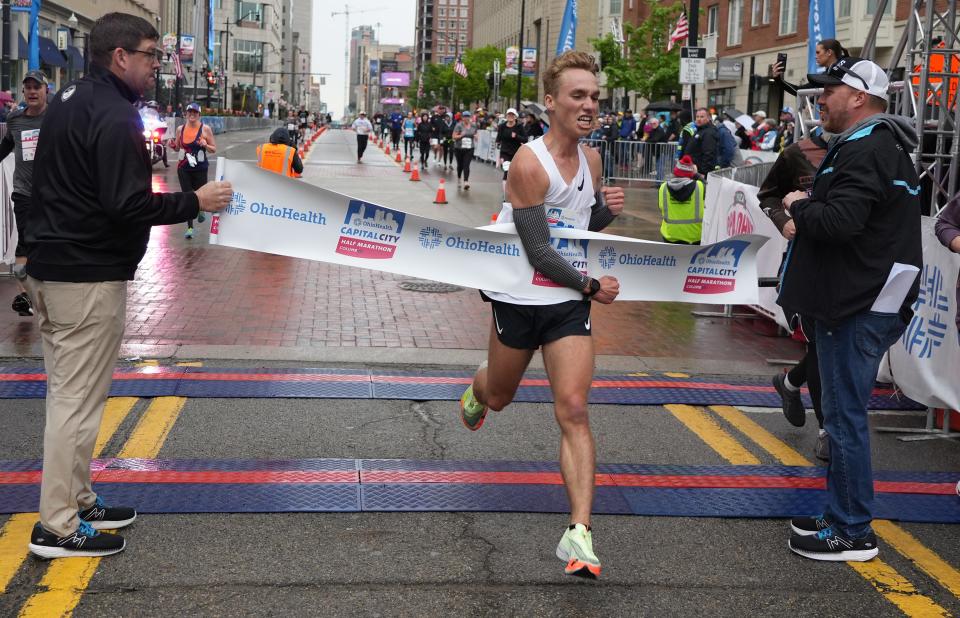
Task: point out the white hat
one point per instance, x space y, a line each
760 113
859 74
514 112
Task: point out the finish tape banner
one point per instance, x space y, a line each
275 214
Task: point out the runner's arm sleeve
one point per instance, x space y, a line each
600 215
532 228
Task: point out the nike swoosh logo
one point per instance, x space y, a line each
587 324
497 322
582 180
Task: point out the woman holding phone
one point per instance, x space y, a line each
828 51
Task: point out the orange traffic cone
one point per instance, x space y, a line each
398 159
441 194
493 218
388 150
406 166
415 176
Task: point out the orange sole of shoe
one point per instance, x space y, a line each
578 568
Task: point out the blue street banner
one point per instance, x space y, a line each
820 25
568 28
210 10
20 6
34 63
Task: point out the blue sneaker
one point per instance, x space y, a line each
189 233
201 217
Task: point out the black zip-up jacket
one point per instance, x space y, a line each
863 215
704 148
92 203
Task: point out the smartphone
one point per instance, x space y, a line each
782 60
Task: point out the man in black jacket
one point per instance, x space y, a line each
703 147
859 226
92 210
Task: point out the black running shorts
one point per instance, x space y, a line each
527 327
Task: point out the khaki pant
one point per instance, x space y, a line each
81 325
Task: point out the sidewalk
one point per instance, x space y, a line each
237 304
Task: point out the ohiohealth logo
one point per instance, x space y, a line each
608 257
713 270
237 204
573 251
430 238
928 327
370 231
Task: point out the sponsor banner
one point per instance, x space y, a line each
512 60
924 362
396 80
274 214
529 62
732 208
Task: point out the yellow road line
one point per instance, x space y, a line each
66 579
13 545
64 583
676 374
152 430
700 423
150 362
763 438
190 364
16 530
114 412
897 589
929 562
884 578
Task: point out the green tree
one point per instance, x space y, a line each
645 66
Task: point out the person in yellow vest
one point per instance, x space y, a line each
681 204
279 156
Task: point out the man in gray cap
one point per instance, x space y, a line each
23 131
856 229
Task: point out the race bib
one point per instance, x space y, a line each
408 133
434 141
291 127
466 142
191 160
28 143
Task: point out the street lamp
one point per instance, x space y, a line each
74 23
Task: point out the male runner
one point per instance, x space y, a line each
550 173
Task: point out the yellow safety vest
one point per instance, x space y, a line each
276 158
682 221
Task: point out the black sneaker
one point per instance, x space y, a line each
103 517
85 542
792 404
808 526
830 546
22 304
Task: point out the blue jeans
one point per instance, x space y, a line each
850 354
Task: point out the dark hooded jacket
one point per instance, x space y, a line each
282 136
863 216
92 204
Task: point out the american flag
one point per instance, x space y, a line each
459 68
177 67
680 32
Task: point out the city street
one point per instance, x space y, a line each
203 308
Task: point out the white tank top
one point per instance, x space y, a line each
566 205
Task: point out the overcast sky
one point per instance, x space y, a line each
396 18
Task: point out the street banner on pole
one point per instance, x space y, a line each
34 43
567 39
820 25
274 214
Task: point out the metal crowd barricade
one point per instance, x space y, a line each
747 174
635 161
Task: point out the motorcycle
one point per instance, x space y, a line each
153 131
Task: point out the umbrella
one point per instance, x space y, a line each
537 109
737 116
664 106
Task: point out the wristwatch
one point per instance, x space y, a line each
594 288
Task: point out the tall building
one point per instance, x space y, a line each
363 47
299 51
743 38
444 28
499 25
248 53
62 30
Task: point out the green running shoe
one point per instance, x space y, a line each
472 412
576 549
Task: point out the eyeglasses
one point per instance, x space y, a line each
157 53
